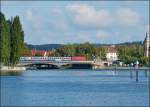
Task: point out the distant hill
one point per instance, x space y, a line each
46 47
49 47
131 43
120 44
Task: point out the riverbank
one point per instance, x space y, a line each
11 69
20 69
122 68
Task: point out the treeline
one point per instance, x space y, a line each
46 47
11 40
133 53
50 47
86 49
126 53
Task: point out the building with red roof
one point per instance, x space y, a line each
38 53
112 54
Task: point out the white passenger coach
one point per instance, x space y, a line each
45 58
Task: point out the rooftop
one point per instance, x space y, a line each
112 49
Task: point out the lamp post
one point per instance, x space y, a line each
137 66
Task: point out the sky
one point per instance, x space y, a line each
63 22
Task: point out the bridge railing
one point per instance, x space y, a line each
30 61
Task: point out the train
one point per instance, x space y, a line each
73 58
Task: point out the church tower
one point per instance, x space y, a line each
147 45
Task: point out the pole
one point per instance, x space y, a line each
137 76
131 75
137 73
146 73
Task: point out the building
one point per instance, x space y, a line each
147 45
38 53
112 54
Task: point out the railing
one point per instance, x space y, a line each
30 61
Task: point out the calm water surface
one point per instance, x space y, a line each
75 88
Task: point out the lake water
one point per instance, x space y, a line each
75 88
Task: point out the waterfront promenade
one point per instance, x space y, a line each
123 68
12 69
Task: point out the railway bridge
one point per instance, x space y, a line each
55 64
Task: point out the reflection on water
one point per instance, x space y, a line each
75 88
11 73
113 72
147 72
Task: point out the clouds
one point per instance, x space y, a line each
81 21
51 20
57 11
29 15
102 34
87 16
102 23
127 17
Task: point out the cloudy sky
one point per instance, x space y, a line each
80 21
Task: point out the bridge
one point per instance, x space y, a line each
49 64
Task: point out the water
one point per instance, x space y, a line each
75 88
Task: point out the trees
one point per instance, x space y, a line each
145 61
26 52
17 40
11 40
85 49
130 54
4 40
101 52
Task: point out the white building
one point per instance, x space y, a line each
112 54
147 45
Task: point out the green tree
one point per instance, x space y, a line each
145 61
17 40
130 54
101 52
4 40
84 49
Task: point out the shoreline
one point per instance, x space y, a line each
22 69
123 68
12 69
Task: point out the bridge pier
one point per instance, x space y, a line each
81 66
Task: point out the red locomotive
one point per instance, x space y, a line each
78 58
